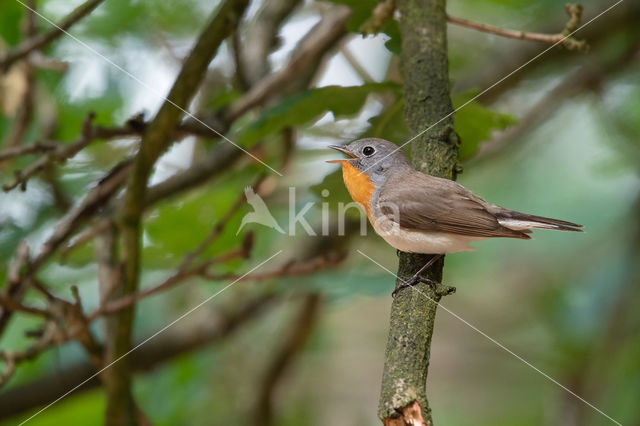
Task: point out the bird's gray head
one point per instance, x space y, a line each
375 157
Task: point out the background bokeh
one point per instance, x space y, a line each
560 138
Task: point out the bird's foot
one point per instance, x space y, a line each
415 279
438 288
405 284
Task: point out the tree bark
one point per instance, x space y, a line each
424 65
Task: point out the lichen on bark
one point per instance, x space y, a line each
425 72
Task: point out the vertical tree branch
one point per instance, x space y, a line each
424 63
156 139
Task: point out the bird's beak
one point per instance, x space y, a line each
343 150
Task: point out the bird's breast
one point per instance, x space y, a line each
359 185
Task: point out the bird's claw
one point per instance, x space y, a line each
439 288
407 283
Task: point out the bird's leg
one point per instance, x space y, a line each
416 278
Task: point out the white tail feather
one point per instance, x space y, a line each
519 225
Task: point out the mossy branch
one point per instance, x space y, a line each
425 70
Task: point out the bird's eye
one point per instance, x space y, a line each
368 150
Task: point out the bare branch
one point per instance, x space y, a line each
15 286
319 40
60 154
215 327
38 147
10 305
96 197
385 9
573 10
50 336
588 77
87 235
179 277
288 270
38 60
41 40
213 164
156 139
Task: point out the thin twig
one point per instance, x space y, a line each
41 40
218 228
38 60
84 237
385 9
15 287
287 270
95 198
36 148
180 276
213 164
217 325
133 127
318 41
79 324
61 154
10 305
50 336
573 10
588 77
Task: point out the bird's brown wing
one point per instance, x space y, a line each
433 204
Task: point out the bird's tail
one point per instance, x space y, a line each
522 221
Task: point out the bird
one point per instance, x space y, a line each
260 213
418 213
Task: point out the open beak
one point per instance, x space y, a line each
343 150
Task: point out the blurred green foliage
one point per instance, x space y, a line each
566 303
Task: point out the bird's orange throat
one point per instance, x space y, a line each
358 184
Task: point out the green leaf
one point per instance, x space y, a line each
392 29
474 123
309 105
